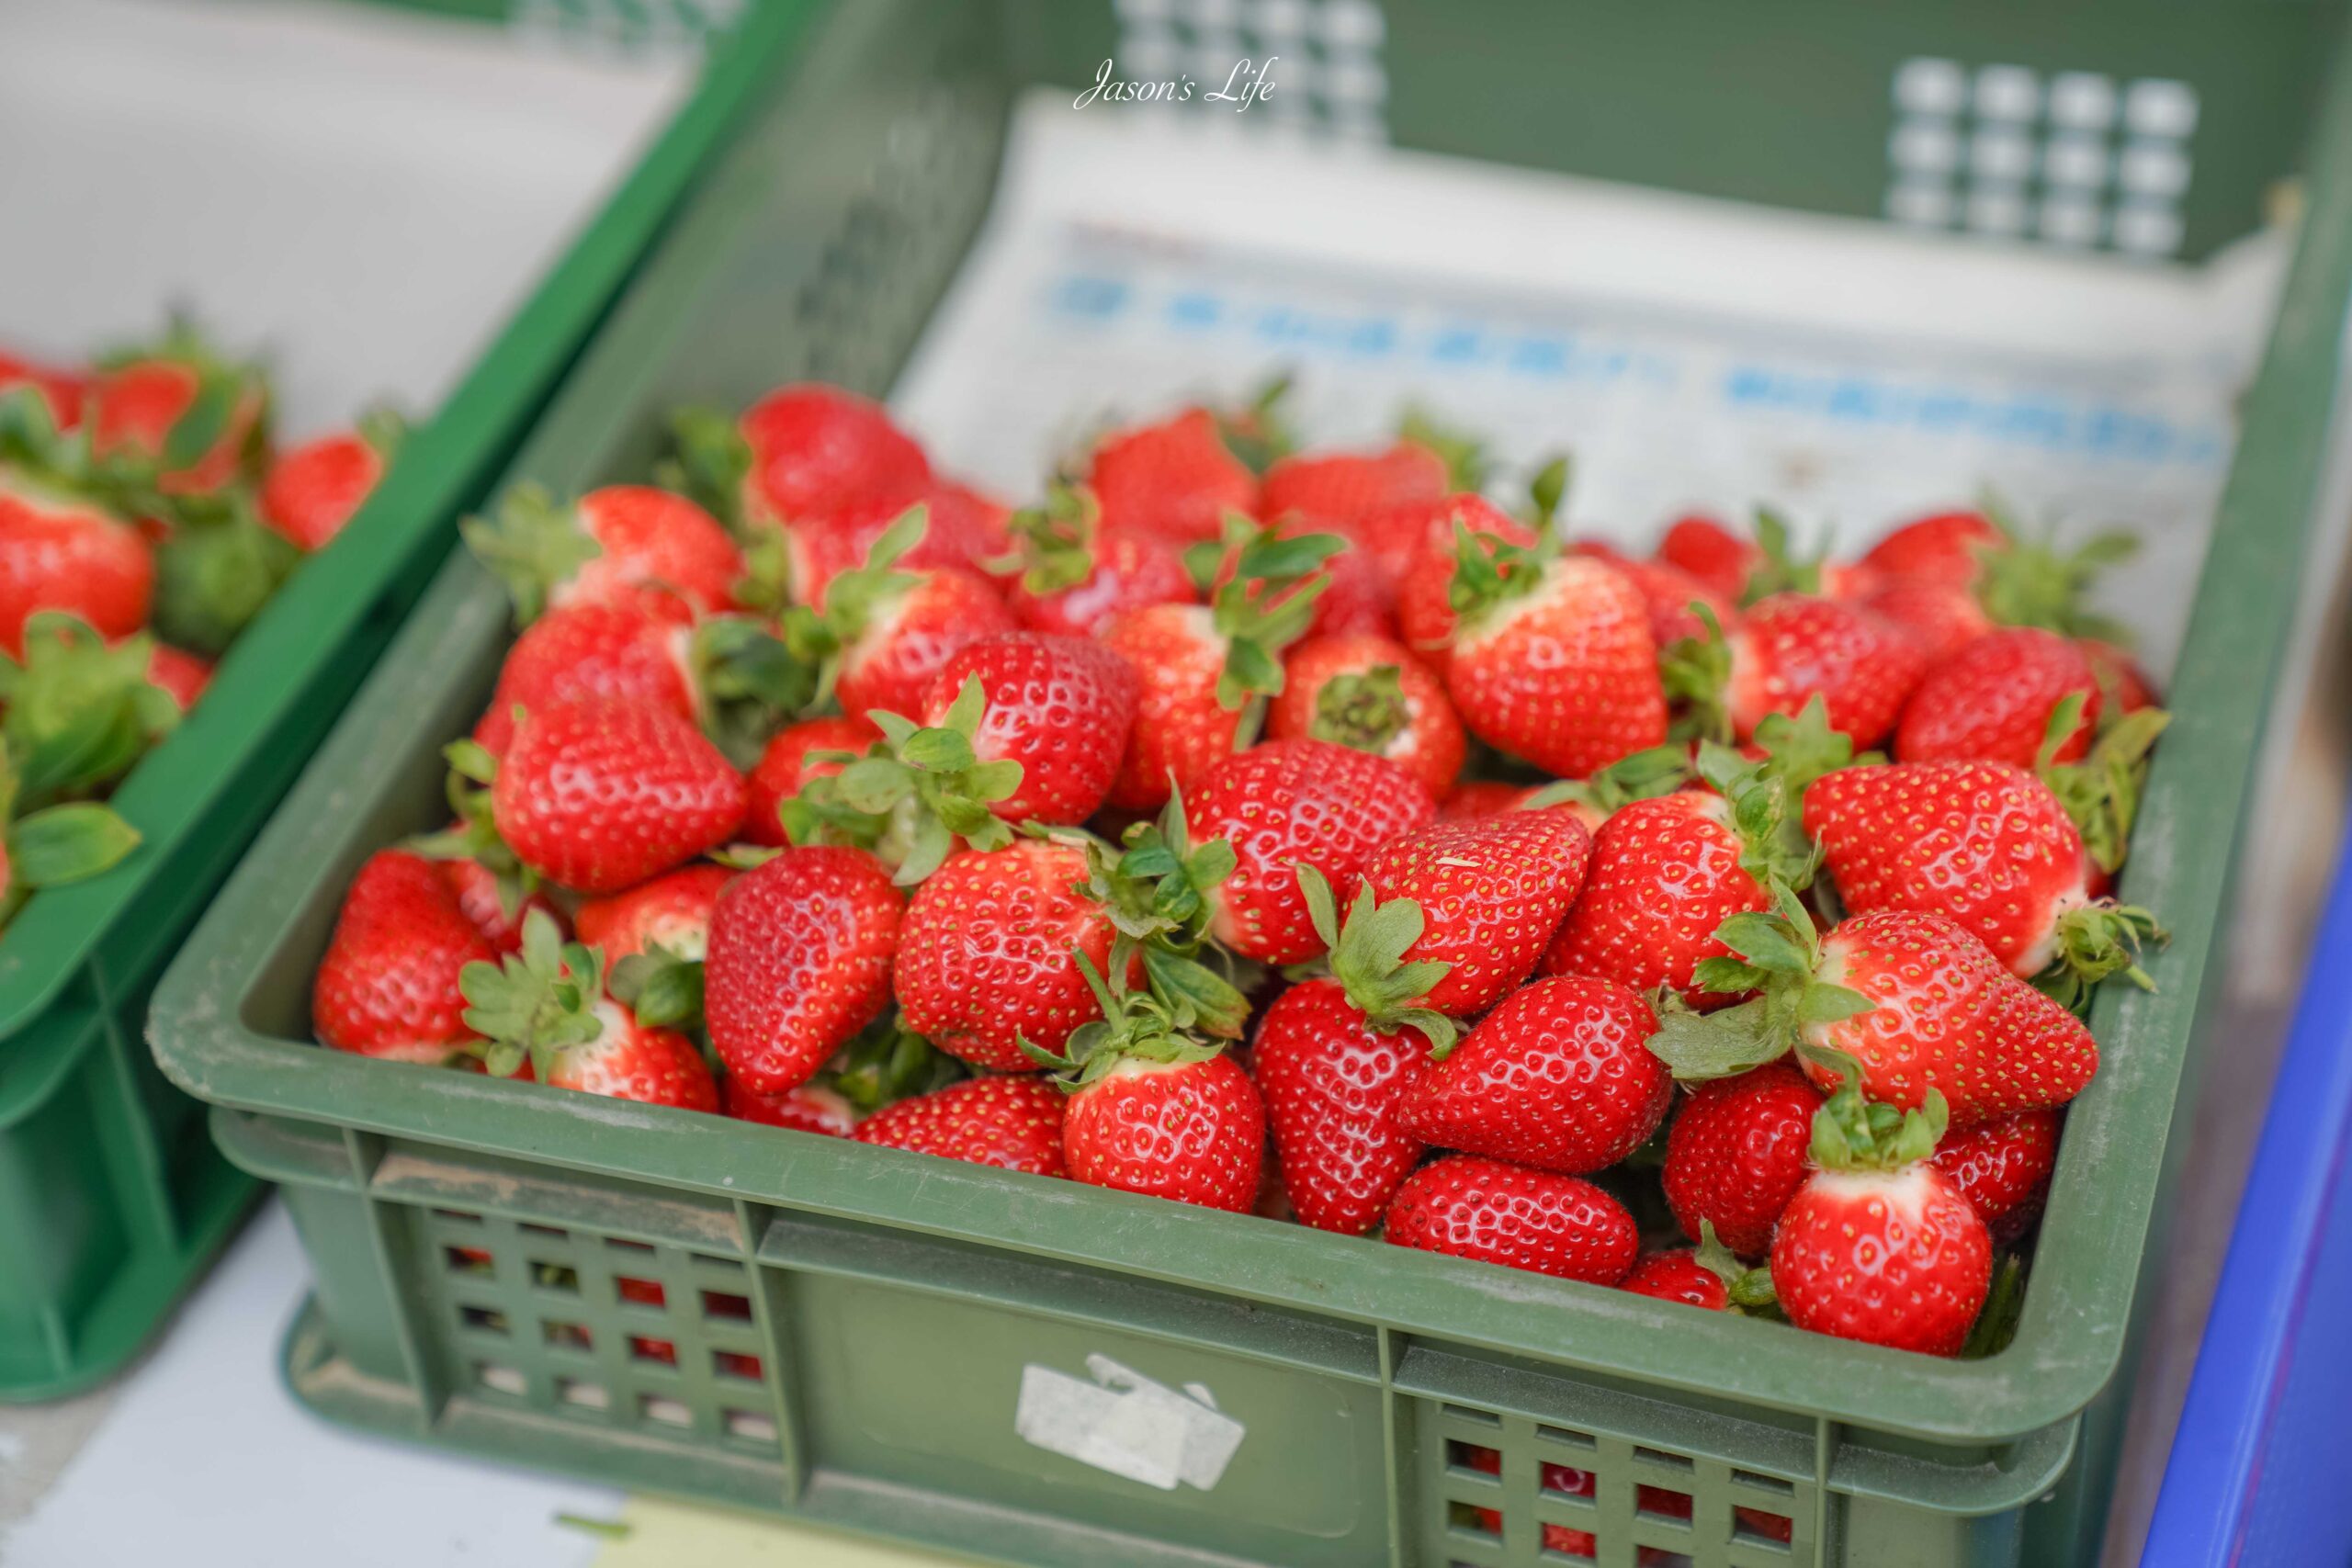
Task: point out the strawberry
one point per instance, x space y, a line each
1177 479
1070 574
1553 659
2015 582
62 391
964 529
672 912
608 544
1284 805
78 712
1371 694
1422 552
1058 706
1992 701
1333 489
1557 1077
812 1108
988 954
388 985
885 634
1153 1108
180 676
309 493
544 1006
60 552
1789 648
1678 1276
634 647
1911 1000
1940 618
1468 1206
201 420
2123 686
1737 1152
1713 554
799 961
1013 1124
2002 1167
793 757
1492 892
495 904
1333 1057
1200 666
1878 1245
600 794
1563 1480
802 450
1667 592
1945 548
1990 846
1474 800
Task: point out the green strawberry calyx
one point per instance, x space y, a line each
1783 569
854 599
2033 582
1364 710
1155 890
708 462
78 713
533 544
1850 1133
1644 775
913 795
888 1062
536 1002
1774 849
2097 940
1777 956
215 570
1489 572
1466 459
661 988
1750 1289
226 390
1802 747
1052 544
1136 1025
475 836
1367 957
1265 605
751 682
57 845
2101 793
1259 432
1696 673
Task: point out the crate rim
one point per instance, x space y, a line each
2075 1319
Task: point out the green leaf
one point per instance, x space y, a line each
874 785
1700 1046
66 844
938 752
1767 941
932 845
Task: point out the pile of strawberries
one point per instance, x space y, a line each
1310 836
144 519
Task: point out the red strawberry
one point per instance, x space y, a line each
202 420
62 390
633 647
1711 553
1553 659
812 1108
183 676
987 955
1562 1481
672 912
785 767
1198 665
1176 479
1736 1152
1467 1206
310 492
1492 892
1668 592
388 986
600 794
1790 648
964 529
1419 548
1940 618
1333 489
1678 1275
60 552
604 546
1984 844
813 449
1075 576
2015 583
1558 1077
1878 1245
1370 693
2002 1167
1474 799
1992 701
2124 686
1915 1001
494 904
888 632
1287 803
1190 1130
544 1006
1947 548
1060 706
799 961
1014 1124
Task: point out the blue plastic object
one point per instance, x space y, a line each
2261 1468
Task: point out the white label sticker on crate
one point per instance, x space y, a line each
1123 1422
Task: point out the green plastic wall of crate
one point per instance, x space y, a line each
818 248
113 1198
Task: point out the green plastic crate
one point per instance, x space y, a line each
112 1198
843 1333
